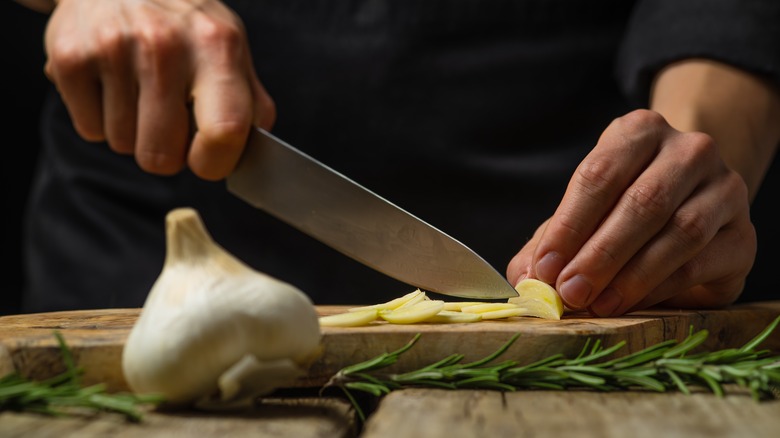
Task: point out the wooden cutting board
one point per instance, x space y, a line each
96 337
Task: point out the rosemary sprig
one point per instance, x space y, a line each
668 365
63 394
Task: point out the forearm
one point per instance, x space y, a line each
38 5
739 110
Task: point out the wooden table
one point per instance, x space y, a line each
428 413
27 346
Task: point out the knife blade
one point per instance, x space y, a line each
323 203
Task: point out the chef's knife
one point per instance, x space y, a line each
323 203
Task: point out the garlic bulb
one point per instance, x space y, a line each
212 329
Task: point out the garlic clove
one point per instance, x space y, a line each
250 377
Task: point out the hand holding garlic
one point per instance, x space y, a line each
213 330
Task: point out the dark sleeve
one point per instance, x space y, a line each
742 33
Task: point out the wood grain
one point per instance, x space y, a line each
431 413
97 337
272 417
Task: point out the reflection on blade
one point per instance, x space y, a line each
328 206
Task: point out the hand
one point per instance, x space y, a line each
652 215
135 72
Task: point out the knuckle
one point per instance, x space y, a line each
642 118
225 36
158 163
66 58
648 201
111 43
595 176
571 224
226 130
737 187
224 137
693 230
602 255
265 113
699 146
157 44
266 105
689 272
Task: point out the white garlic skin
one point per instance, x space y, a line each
208 310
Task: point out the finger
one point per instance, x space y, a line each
698 244
710 289
120 94
715 275
224 111
163 116
520 266
264 109
77 81
644 209
625 148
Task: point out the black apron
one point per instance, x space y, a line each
471 115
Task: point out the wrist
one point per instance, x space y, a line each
739 110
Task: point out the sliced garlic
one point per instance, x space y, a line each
392 304
412 314
350 319
539 299
488 307
453 317
457 306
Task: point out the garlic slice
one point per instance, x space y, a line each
205 314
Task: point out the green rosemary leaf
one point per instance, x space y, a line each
642 356
584 350
713 373
586 379
758 339
541 385
484 383
628 379
687 345
67 358
467 372
432 383
543 373
716 388
678 382
598 353
552 361
447 361
371 388
598 371
660 367
377 362
64 391
418 375
382 361
368 377
497 353
682 366
353 401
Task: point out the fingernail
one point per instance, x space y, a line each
575 291
607 303
549 266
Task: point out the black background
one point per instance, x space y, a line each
23 88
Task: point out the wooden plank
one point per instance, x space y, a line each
433 413
272 417
97 338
